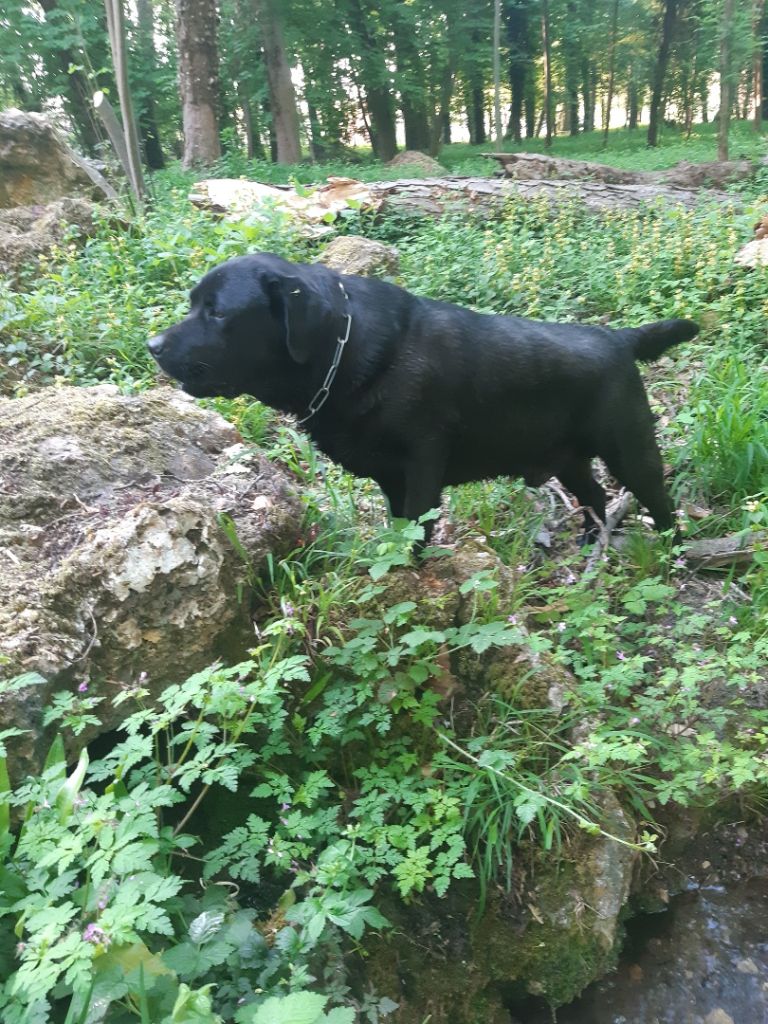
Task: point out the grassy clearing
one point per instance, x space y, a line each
359 785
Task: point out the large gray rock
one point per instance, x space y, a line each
28 232
116 552
37 166
353 254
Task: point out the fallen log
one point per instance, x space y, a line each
735 551
537 166
316 208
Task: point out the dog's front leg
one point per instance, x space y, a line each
424 475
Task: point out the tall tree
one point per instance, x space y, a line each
758 13
374 76
198 80
145 94
546 37
660 70
520 61
282 96
611 69
726 79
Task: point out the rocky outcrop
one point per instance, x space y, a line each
353 254
129 526
27 232
557 927
558 930
37 166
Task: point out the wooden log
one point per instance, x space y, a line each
713 174
735 551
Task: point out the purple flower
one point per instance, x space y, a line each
512 619
732 620
83 687
95 935
621 655
287 608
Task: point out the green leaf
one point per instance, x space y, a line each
297 1008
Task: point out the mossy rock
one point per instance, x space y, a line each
555 933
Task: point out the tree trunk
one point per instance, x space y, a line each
441 117
497 71
198 80
478 114
660 70
282 98
633 103
518 45
530 105
758 10
726 81
571 46
375 77
545 42
117 43
413 89
150 136
254 148
704 98
588 92
612 70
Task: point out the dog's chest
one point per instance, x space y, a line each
359 452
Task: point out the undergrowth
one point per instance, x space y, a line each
223 860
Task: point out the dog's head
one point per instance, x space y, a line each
256 325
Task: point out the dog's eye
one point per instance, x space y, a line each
211 310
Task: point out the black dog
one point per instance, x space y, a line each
419 394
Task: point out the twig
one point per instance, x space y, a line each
615 513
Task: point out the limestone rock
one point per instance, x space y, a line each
27 232
556 934
353 254
116 552
37 166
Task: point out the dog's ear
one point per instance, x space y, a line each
306 311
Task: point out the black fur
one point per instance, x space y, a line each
427 394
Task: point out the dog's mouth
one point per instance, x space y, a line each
209 389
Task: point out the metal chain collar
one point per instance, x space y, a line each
321 397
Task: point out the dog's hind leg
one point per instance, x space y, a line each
637 466
576 476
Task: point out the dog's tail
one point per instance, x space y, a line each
651 341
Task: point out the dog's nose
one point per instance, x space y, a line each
155 345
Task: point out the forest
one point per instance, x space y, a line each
286 79
271 751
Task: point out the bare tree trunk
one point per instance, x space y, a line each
198 80
375 80
116 26
516 21
282 97
497 71
545 40
757 62
660 70
150 136
726 82
612 71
